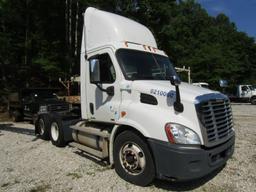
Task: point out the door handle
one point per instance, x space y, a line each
92 108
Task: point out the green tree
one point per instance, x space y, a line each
40 39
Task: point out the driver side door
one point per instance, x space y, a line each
246 92
102 106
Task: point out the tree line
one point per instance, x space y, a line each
40 39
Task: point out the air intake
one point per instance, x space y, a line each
148 99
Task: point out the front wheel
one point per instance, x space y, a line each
253 101
133 160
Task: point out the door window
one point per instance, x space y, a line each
107 72
244 88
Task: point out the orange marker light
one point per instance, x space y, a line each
126 43
123 113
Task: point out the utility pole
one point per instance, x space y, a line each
26 37
76 28
184 69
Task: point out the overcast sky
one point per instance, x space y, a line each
241 12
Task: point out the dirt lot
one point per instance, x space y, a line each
30 164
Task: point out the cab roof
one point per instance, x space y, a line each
103 28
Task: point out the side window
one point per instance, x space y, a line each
107 72
244 88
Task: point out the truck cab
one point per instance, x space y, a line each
247 93
243 93
137 114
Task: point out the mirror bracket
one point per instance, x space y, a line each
109 90
178 106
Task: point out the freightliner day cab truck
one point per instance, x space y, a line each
244 93
135 113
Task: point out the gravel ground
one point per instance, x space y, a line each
31 164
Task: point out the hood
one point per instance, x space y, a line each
253 91
51 101
163 89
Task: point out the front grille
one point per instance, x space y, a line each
58 107
216 118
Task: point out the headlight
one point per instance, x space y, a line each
43 109
180 134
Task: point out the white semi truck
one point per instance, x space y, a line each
135 112
244 93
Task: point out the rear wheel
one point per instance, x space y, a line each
43 127
57 135
133 160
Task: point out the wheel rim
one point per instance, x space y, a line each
41 126
55 131
132 158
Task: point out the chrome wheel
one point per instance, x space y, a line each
55 131
132 158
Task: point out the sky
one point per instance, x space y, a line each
241 12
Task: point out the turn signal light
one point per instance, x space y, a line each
169 133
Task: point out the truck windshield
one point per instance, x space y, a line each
251 87
45 95
139 65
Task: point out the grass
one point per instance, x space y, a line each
102 168
74 175
5 184
41 188
9 169
90 173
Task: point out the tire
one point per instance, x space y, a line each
253 101
128 148
16 116
43 126
33 120
57 134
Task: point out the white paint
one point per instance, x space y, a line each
106 33
103 28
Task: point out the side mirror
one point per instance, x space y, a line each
223 83
175 80
95 70
178 106
110 91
